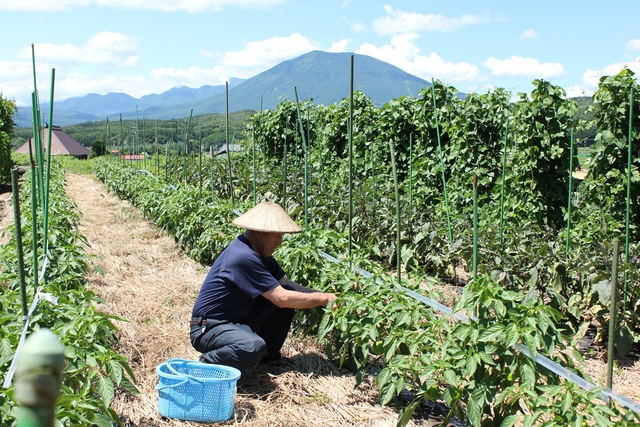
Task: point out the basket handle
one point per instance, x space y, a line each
162 387
181 374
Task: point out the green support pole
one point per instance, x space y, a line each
409 227
255 185
569 202
184 164
444 181
397 193
37 137
121 138
106 137
39 372
143 150
228 149
306 170
200 170
612 313
213 193
629 164
168 162
45 205
34 225
37 148
284 171
504 169
350 135
16 220
475 226
186 133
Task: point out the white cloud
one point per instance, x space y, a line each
12 76
339 46
253 59
591 78
398 21
103 48
404 54
517 66
577 90
191 6
258 56
529 34
633 44
357 27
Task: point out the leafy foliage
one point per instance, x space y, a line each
7 109
531 293
94 371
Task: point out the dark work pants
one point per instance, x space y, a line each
243 345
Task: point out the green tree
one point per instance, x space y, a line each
7 109
98 148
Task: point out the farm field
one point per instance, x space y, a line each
412 227
151 283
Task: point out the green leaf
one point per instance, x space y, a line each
474 411
528 376
623 340
406 413
509 421
105 389
603 288
471 365
387 392
491 333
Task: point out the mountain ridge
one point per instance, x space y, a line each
317 76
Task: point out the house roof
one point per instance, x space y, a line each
61 143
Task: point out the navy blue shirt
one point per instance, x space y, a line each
234 282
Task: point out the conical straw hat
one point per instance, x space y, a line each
269 217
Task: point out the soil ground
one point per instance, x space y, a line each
152 284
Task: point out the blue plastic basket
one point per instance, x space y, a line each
196 391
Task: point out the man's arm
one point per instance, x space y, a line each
295 286
297 299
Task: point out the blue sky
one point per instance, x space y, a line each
141 47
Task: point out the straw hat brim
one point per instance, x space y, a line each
267 217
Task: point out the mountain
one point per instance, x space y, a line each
322 77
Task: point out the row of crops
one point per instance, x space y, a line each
94 370
437 189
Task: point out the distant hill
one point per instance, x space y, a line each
322 77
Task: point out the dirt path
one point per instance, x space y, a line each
153 285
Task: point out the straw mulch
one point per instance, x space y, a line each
148 281
6 215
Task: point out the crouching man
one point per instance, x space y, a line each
245 307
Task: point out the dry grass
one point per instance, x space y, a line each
148 281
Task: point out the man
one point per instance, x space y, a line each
246 304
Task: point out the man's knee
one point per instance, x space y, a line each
250 351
